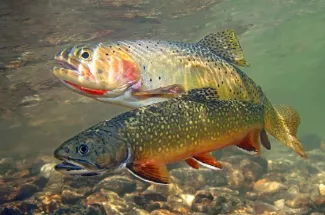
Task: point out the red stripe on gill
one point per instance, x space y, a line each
87 90
130 71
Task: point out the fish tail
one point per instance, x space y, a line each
282 122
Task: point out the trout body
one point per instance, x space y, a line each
144 140
143 72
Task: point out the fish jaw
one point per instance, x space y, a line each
69 167
102 74
73 167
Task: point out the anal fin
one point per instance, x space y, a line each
193 163
168 91
207 160
251 143
150 172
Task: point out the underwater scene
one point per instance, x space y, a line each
148 107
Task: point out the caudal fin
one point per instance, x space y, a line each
290 117
282 122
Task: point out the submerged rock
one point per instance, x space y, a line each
137 211
269 191
204 202
70 197
10 210
300 201
50 202
281 165
318 201
243 170
269 187
7 165
154 196
162 212
111 201
225 203
198 178
95 209
72 210
118 184
321 188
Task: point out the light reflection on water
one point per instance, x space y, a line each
36 111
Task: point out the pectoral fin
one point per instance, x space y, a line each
150 172
168 91
207 160
251 143
193 163
265 140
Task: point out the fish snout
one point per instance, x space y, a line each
64 54
61 153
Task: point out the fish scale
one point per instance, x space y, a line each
143 72
187 127
190 65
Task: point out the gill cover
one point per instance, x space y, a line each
100 67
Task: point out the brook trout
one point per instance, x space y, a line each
142 72
145 139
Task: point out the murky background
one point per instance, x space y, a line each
282 40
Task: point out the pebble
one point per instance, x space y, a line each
321 188
70 197
242 187
117 184
269 187
300 201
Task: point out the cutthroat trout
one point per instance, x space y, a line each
145 139
142 72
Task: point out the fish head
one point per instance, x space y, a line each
96 70
91 153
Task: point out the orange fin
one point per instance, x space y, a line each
168 91
265 140
251 143
207 160
150 172
193 163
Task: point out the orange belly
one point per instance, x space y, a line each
202 146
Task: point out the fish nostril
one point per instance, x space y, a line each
66 149
65 54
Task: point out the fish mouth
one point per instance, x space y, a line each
68 73
67 66
73 168
88 91
70 76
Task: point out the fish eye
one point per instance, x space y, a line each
82 149
85 55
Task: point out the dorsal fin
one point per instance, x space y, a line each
226 45
200 94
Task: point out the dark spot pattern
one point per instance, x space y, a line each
186 121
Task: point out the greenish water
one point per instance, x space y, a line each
282 40
284 45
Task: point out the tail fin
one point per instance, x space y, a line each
282 122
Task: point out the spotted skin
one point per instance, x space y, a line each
194 123
186 127
117 70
